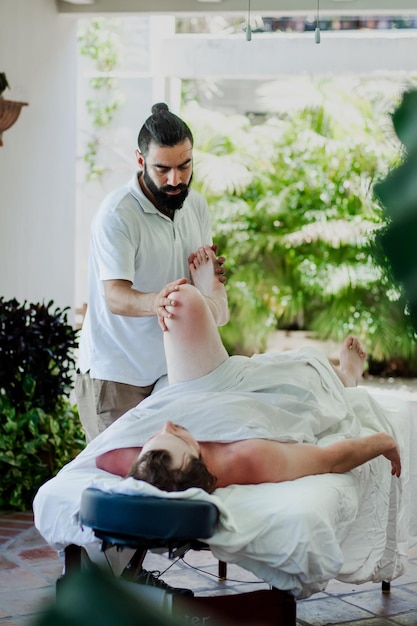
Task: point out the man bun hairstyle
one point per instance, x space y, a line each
163 128
158 107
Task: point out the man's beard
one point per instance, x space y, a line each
165 202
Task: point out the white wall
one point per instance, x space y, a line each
37 161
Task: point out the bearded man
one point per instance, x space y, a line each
143 239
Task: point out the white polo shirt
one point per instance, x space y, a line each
131 240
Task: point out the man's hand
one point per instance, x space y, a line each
392 454
219 269
162 300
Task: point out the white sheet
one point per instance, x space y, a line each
295 535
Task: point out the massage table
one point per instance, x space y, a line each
177 526
296 535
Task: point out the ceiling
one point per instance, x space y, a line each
265 7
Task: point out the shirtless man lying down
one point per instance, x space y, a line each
173 460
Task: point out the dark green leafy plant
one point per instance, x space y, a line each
39 429
398 195
3 82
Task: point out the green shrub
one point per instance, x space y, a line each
294 213
39 429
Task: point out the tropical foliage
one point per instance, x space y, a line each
99 41
292 200
294 213
39 427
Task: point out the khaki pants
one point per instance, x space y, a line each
102 402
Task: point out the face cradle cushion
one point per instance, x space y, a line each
130 520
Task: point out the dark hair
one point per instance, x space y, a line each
163 128
155 467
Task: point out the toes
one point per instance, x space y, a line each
202 255
352 343
349 342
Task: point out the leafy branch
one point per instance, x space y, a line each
99 41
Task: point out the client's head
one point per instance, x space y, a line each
171 460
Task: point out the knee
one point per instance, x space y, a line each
188 301
187 295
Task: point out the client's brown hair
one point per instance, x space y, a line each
155 467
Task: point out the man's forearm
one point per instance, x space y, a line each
122 299
351 453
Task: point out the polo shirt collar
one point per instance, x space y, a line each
136 191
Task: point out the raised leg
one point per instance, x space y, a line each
193 346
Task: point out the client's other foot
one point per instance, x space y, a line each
203 277
352 362
152 579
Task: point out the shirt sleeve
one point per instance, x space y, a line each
113 248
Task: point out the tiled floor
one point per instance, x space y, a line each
29 569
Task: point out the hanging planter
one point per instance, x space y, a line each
9 109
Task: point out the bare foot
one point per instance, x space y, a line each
202 271
352 362
203 276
